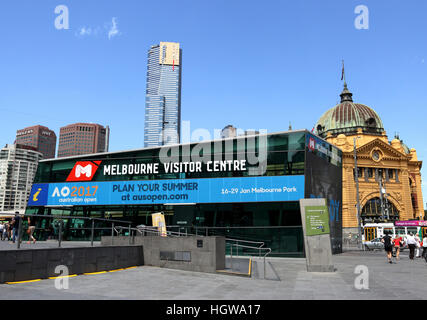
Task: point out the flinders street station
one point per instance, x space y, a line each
388 177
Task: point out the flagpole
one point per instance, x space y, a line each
343 72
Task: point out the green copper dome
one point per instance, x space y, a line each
347 117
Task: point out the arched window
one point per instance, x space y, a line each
371 122
372 212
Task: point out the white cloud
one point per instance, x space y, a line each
114 31
85 31
110 29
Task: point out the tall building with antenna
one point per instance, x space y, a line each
163 95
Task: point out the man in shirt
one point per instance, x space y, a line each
16 221
410 240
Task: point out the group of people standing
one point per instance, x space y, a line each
414 244
10 230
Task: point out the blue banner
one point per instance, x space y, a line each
178 191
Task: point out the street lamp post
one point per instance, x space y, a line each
380 182
383 197
359 222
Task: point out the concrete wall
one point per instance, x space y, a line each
209 258
21 265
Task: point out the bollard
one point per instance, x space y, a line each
60 233
92 232
18 238
112 234
130 238
231 257
264 267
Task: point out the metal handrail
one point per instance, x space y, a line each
247 227
61 218
239 245
247 241
73 217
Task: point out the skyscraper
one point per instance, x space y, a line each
18 166
82 138
41 138
163 95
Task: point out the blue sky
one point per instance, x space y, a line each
253 64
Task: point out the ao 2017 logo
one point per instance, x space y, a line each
75 191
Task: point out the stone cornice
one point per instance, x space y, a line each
363 152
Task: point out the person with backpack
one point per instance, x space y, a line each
388 246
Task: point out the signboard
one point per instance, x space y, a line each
160 223
410 223
323 149
169 53
177 191
316 220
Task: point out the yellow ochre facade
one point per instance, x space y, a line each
388 171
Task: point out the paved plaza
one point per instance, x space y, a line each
286 279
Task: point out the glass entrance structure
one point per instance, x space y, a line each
246 187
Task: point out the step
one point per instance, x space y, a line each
237 267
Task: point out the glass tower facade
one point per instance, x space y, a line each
163 95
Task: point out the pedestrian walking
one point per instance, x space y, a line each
7 229
417 246
425 246
388 246
397 242
31 228
2 226
410 240
15 224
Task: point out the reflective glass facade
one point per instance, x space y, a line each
304 165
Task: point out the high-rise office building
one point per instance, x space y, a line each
41 138
82 138
229 132
163 95
18 166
